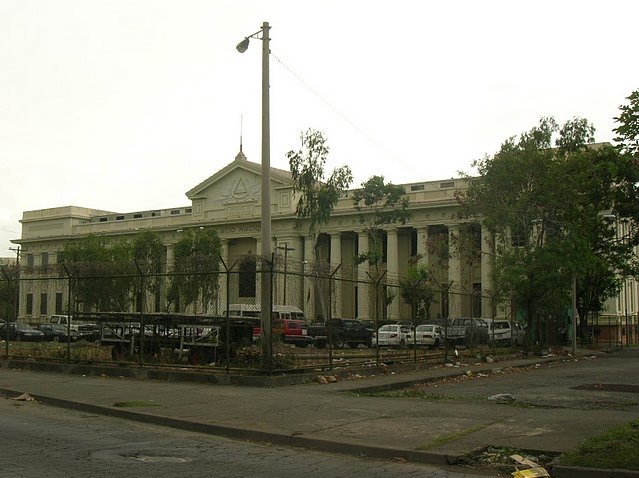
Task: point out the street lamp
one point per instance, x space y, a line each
265 305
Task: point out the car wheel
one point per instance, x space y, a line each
402 344
339 343
56 338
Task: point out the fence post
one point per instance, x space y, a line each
69 310
6 324
227 271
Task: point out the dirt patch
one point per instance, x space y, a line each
609 387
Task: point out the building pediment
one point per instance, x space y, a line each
238 180
235 190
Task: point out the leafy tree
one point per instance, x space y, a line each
318 195
416 290
149 254
543 200
628 129
197 264
379 204
8 291
101 273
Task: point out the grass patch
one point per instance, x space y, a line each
615 448
453 437
135 403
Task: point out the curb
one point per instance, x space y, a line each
567 471
343 448
137 372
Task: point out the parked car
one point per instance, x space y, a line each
467 331
427 334
393 335
288 331
505 332
57 332
342 331
21 331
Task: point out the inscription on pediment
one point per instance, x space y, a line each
241 189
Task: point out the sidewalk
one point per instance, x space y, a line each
329 417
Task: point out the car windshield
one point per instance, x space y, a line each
425 328
384 328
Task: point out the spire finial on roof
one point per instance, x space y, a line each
240 156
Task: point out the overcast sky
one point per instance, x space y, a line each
126 105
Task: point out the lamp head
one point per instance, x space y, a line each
243 45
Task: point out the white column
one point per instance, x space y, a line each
487 257
170 257
309 270
258 247
454 273
336 261
392 272
223 277
363 296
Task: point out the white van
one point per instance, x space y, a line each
241 311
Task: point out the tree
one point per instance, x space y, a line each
149 254
543 200
416 290
628 129
318 196
379 204
8 292
101 273
197 265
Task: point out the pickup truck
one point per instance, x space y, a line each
341 332
466 331
288 331
80 330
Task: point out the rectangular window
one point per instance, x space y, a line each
518 236
447 184
139 301
43 304
247 279
158 301
30 260
137 215
174 212
58 302
29 304
417 187
45 259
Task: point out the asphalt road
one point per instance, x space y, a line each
38 441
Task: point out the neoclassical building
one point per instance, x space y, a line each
230 202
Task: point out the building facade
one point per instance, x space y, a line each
229 202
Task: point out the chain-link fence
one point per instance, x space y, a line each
208 315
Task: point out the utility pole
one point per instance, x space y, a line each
285 248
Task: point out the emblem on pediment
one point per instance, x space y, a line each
240 190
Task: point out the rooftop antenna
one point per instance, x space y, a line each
241 130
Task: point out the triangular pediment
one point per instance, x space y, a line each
239 180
